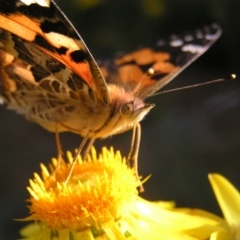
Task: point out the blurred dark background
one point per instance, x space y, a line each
187 135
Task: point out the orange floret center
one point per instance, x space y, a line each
100 189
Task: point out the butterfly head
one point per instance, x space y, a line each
129 114
125 110
135 110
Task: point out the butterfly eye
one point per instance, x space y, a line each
126 110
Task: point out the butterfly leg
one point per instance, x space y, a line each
59 147
59 151
82 144
134 150
87 150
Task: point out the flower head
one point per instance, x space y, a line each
100 202
93 195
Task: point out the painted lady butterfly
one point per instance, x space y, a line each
48 74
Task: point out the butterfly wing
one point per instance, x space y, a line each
37 85
45 26
167 58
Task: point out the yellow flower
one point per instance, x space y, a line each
228 198
100 201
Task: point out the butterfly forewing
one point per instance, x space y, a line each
46 27
167 58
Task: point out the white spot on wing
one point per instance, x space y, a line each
58 40
192 48
43 3
176 43
211 36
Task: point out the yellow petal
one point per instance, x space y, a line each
228 198
222 235
187 222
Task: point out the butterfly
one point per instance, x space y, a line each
48 74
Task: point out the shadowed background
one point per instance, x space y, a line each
187 135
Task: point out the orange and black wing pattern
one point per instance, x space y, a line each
166 59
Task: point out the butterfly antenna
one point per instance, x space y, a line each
231 77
